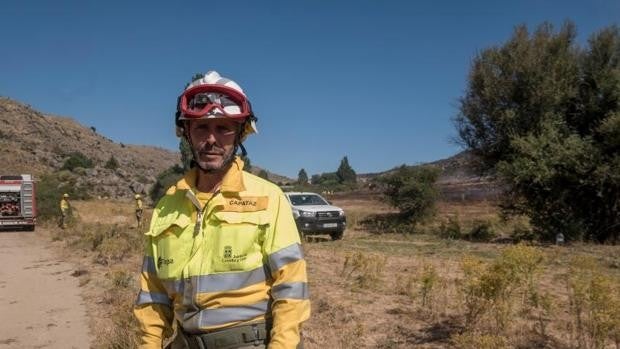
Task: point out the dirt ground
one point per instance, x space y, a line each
40 302
350 308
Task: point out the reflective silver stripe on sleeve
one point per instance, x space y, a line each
290 290
152 297
228 281
220 316
285 256
148 265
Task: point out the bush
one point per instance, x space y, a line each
49 191
75 160
412 191
429 281
450 229
489 289
364 268
521 232
111 164
388 223
594 304
482 231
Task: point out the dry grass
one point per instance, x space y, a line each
390 290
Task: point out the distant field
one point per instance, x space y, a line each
374 290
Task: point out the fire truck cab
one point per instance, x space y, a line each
17 202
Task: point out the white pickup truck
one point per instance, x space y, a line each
315 215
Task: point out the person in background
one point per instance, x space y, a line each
223 265
139 210
65 208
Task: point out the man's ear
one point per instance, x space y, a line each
179 131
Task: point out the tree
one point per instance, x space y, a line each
345 172
315 179
302 177
543 114
412 191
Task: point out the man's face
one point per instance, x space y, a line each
213 142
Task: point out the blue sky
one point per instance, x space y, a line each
377 81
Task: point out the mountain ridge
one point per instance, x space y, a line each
37 143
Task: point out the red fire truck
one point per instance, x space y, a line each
17 202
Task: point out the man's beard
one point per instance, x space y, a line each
227 159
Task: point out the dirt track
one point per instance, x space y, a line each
40 303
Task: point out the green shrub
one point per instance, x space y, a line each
490 289
428 285
522 232
412 191
111 164
450 229
75 160
364 268
49 191
388 223
482 231
594 304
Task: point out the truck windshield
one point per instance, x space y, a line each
301 200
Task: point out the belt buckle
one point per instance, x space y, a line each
256 335
254 338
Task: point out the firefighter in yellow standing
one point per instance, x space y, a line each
65 208
139 211
223 265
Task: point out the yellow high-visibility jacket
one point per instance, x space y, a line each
221 260
64 205
138 205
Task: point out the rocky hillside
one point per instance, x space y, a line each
458 180
35 143
32 142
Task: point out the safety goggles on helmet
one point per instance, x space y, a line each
213 100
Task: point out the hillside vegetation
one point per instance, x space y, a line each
376 289
38 144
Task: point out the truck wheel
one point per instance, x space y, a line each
30 228
337 235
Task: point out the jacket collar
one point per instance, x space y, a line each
232 181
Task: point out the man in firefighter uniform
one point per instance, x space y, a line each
223 265
65 208
139 210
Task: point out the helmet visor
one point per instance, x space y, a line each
213 101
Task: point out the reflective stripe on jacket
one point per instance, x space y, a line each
237 260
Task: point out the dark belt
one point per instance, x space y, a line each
230 338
